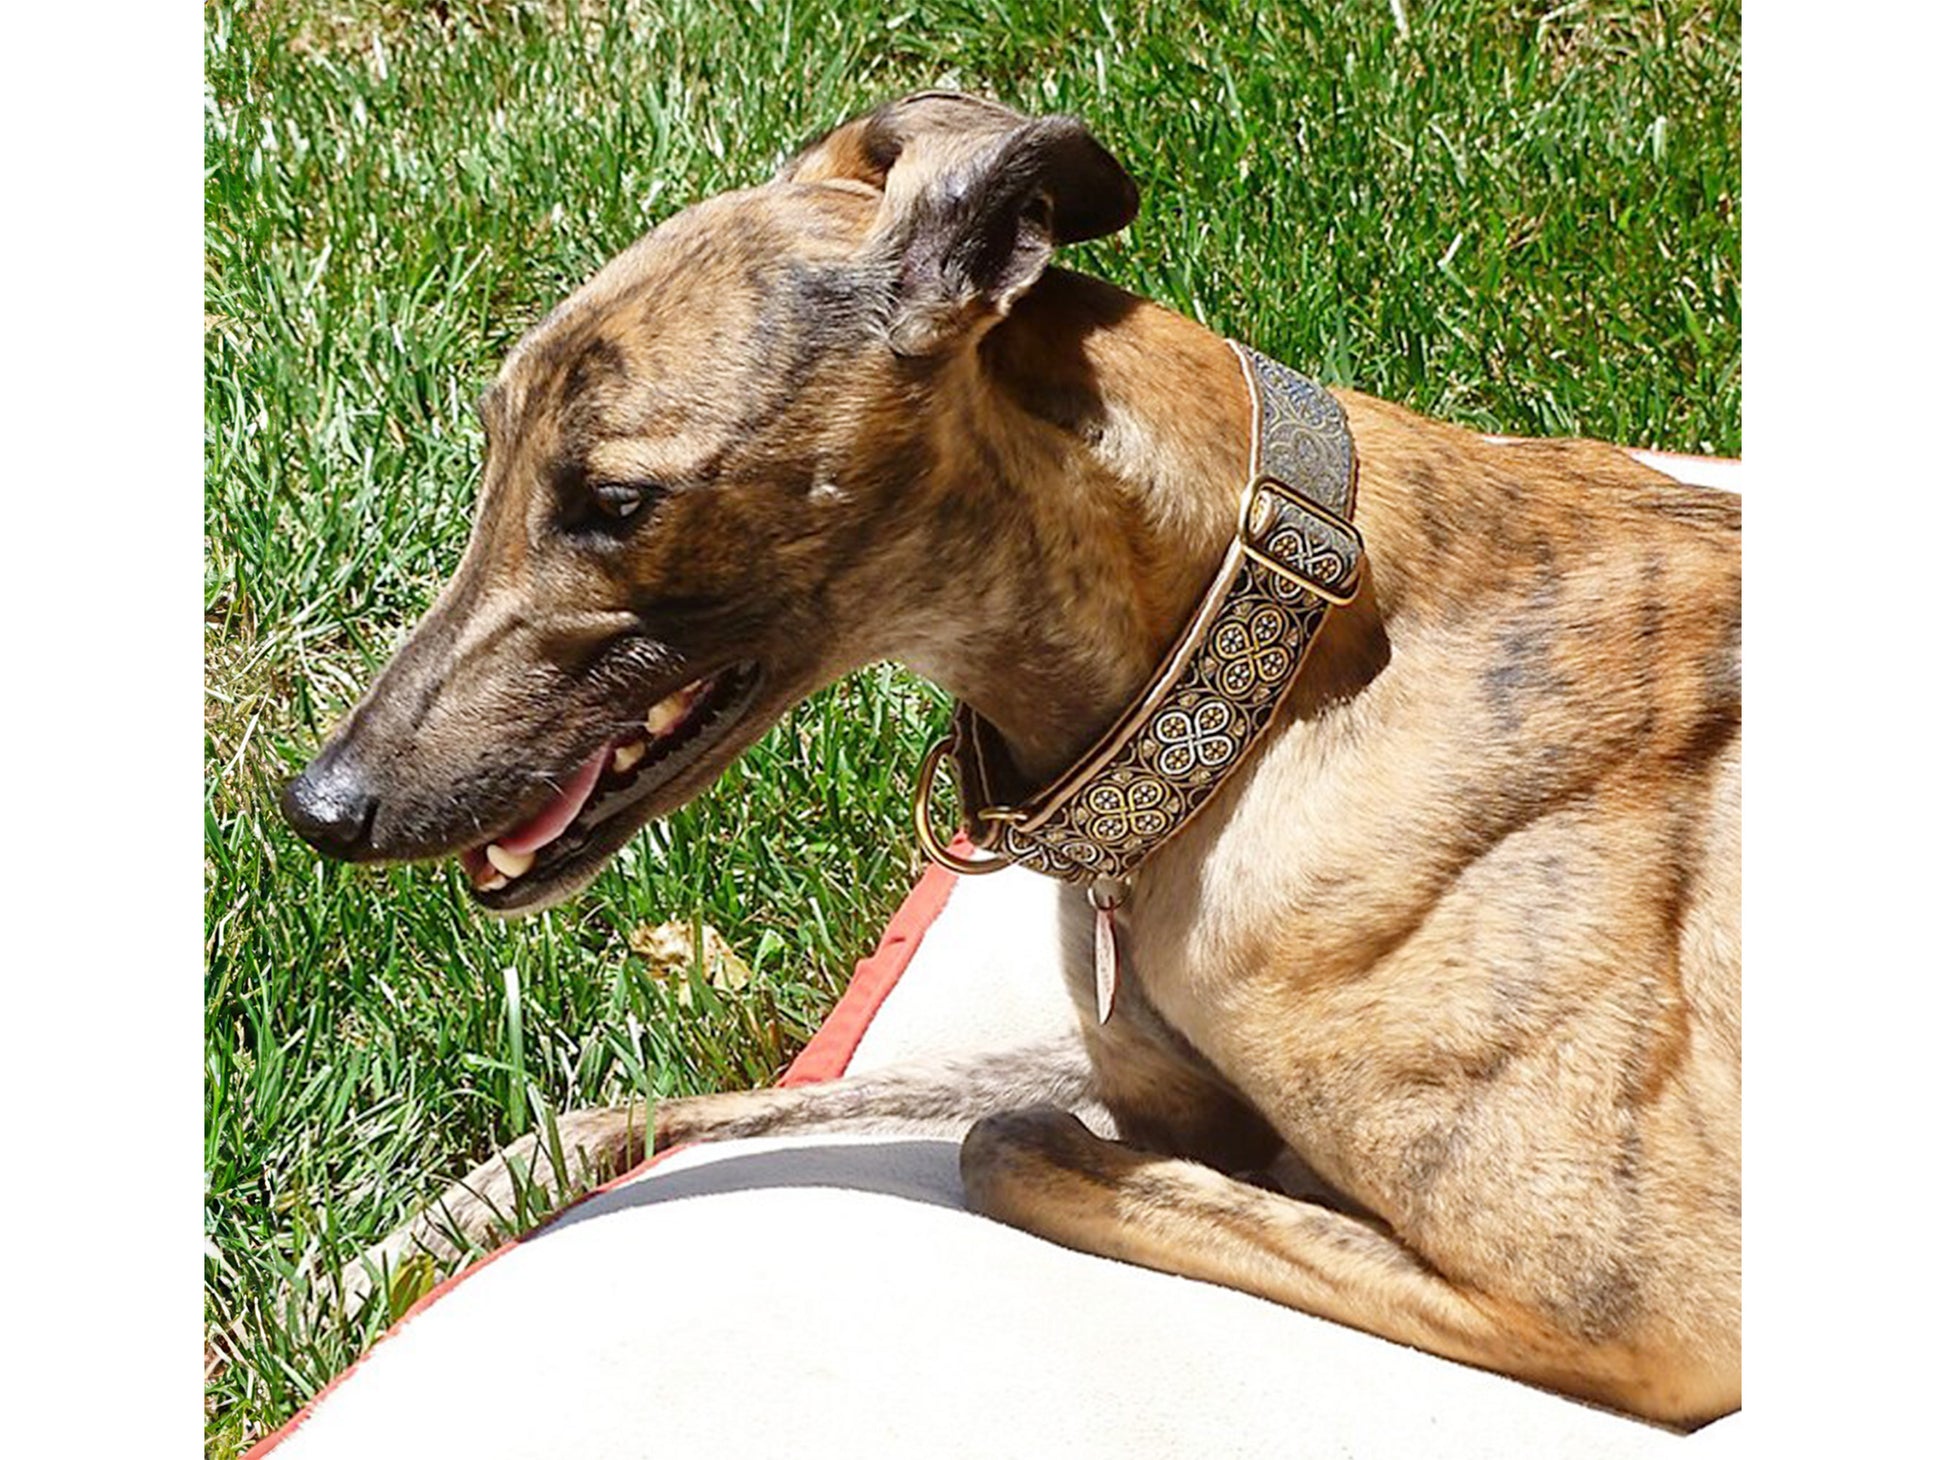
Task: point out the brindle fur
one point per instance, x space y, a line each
1462 936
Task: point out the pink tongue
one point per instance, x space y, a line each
555 816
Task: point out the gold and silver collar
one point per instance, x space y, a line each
1295 555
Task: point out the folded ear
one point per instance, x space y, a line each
864 148
976 198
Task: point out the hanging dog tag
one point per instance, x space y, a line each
1105 970
1106 894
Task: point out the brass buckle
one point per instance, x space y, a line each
1279 488
929 841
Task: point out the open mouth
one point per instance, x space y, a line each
586 822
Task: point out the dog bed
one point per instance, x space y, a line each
832 1296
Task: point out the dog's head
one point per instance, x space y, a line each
696 498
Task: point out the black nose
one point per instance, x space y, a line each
331 808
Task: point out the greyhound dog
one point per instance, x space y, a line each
1459 935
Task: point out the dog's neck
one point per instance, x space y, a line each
1096 447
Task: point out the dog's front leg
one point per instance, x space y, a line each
1041 1170
516 1189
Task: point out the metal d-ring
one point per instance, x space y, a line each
929 841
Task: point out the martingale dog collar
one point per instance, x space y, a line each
1295 555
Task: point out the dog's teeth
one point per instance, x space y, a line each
627 756
512 864
490 881
665 715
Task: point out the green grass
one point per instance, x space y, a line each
1522 217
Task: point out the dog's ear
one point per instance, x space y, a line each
864 148
975 199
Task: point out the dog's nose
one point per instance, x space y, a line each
331 807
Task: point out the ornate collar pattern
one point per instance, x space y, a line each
1294 556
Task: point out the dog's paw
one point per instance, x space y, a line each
499 1200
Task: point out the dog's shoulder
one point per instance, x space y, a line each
1566 475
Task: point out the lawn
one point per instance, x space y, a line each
1522 217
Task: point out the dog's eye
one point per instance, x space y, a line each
620 500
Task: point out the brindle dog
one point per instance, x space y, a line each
1463 934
